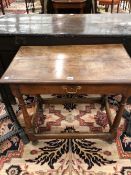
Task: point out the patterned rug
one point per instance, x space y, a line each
69 156
13 146
123 143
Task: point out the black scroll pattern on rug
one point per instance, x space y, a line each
125 170
14 169
85 149
70 106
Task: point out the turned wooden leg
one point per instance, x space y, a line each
32 137
112 6
103 102
26 3
27 118
108 112
118 8
38 117
116 122
130 6
33 6
42 6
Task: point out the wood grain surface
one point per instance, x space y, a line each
72 63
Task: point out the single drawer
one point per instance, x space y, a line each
70 89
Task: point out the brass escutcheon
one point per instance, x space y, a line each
72 90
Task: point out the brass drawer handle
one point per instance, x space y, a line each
71 90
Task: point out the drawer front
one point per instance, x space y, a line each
71 89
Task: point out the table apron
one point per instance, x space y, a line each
75 88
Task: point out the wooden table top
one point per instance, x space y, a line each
66 24
70 64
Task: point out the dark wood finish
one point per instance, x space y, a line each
69 4
83 25
91 7
91 69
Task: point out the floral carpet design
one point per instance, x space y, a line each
11 148
85 149
123 144
69 156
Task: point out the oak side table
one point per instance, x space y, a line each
71 69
